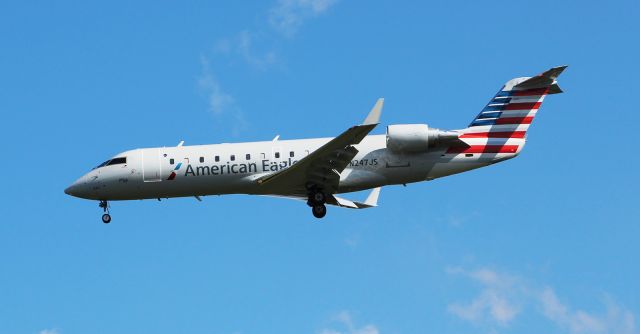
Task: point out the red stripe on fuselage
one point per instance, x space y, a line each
503 134
483 149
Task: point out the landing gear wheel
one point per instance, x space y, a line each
106 217
318 197
319 210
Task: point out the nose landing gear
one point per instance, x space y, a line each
106 217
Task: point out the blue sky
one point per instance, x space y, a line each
546 242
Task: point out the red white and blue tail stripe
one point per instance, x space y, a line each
510 113
502 125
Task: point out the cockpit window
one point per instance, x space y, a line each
117 161
102 164
114 161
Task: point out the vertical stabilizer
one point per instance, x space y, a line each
511 111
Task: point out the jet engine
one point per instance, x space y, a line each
416 138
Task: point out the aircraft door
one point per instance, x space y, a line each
151 167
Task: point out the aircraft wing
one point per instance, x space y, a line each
323 166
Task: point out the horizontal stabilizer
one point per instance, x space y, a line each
554 89
546 79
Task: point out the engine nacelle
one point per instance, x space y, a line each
415 138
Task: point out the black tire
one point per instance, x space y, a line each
319 211
106 218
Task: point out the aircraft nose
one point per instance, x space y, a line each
73 189
77 189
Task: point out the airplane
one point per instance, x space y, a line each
317 170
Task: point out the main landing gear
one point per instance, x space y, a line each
316 201
106 217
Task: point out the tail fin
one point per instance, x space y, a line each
511 111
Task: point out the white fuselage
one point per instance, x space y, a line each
202 170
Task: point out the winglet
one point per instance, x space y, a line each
370 202
374 114
372 199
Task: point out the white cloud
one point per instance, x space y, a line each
249 47
220 103
49 331
577 321
503 297
616 320
288 15
256 48
457 219
346 324
352 241
497 301
246 50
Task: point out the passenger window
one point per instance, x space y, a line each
233 157
291 154
277 155
248 156
171 161
117 161
217 158
201 159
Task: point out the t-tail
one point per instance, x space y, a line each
501 127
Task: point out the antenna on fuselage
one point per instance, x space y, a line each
180 143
